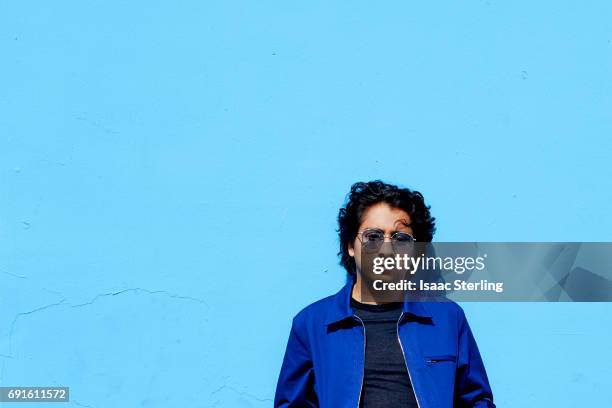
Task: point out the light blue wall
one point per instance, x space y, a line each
171 172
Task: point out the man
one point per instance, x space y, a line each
345 351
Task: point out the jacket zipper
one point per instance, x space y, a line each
364 355
406 362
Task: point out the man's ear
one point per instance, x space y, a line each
351 250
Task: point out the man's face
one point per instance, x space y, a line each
385 218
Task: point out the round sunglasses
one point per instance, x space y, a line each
372 239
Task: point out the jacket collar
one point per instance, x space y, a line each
341 306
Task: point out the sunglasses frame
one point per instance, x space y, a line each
394 241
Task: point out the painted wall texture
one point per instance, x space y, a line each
170 175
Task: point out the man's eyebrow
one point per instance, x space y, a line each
403 222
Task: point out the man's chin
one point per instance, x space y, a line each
386 277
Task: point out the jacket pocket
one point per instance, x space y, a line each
440 358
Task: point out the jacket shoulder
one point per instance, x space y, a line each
315 312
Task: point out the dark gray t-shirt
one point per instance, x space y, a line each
386 383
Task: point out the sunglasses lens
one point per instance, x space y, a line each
402 237
372 240
402 240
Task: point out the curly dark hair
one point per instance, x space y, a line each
364 195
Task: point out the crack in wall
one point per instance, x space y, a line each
240 393
63 301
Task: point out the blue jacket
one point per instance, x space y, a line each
324 361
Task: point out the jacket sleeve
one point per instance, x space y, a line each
295 387
472 387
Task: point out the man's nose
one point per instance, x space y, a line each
386 248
